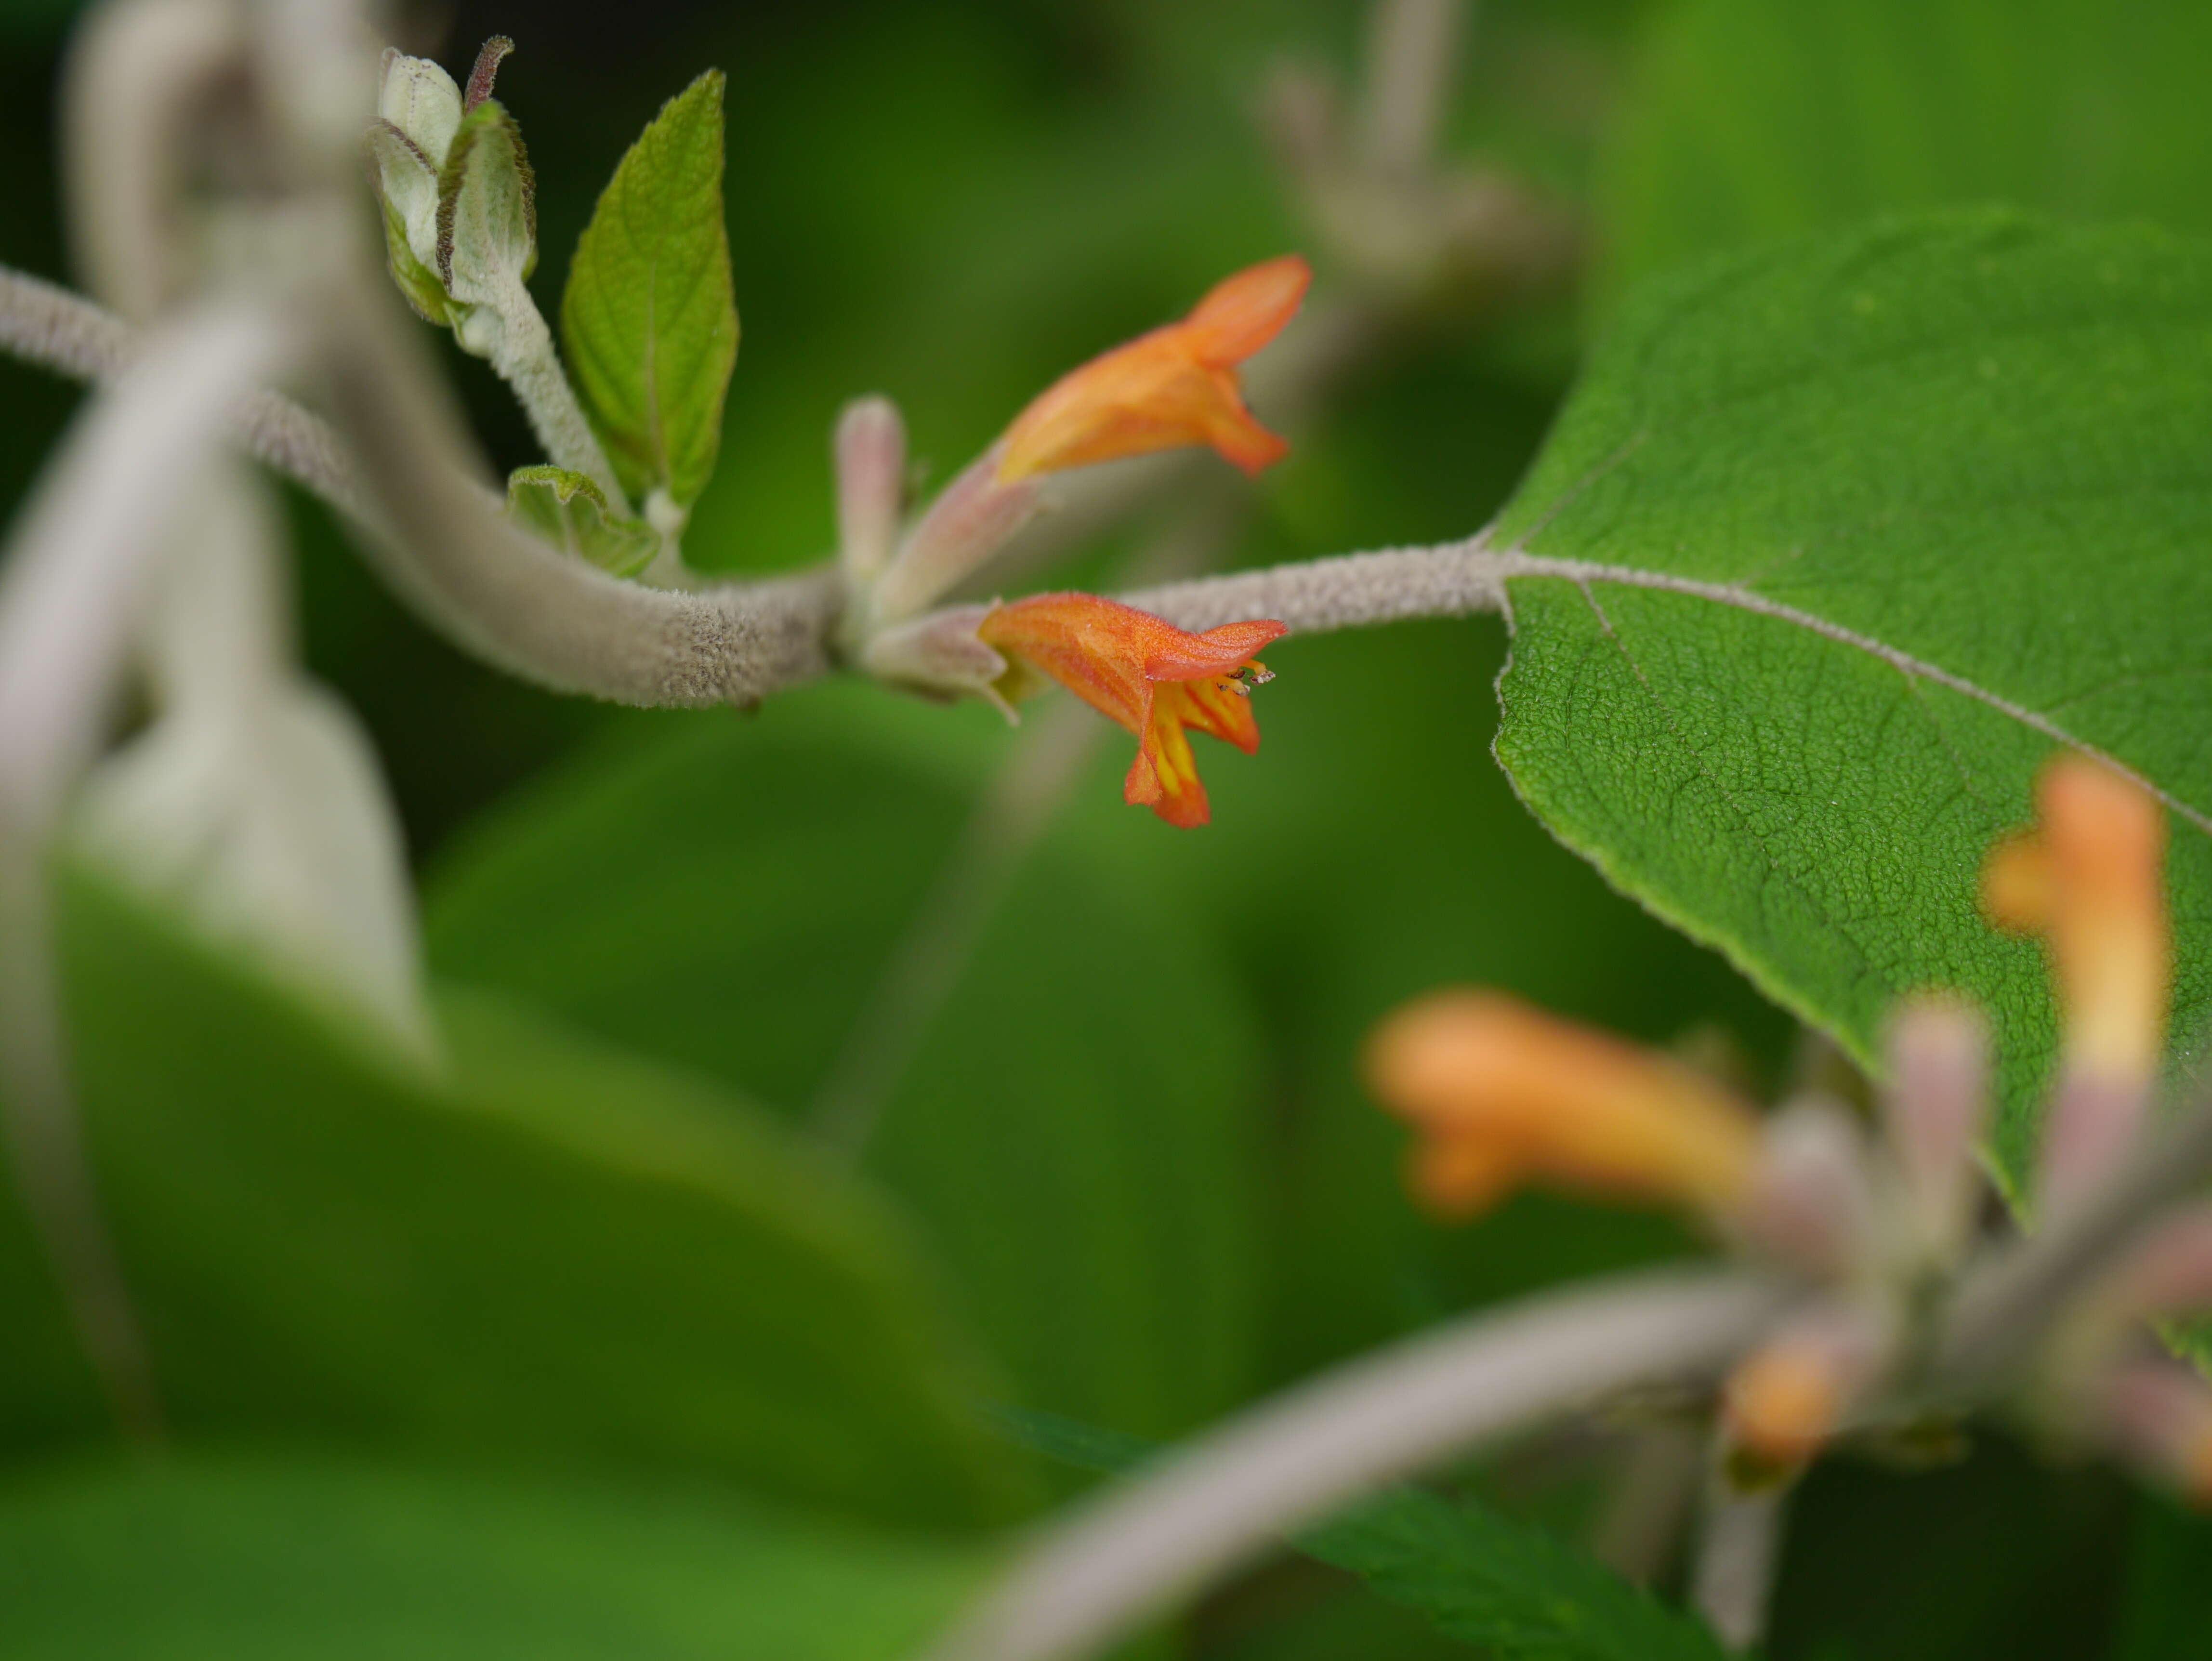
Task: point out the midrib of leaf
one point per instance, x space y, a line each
1514 562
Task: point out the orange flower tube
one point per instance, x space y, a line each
1172 386
1503 1093
2088 879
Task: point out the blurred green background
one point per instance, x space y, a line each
593 1349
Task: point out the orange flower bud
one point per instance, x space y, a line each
1153 678
2088 879
1503 1093
1174 386
1789 1396
1783 1402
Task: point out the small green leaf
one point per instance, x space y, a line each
1833 547
487 226
559 1253
250 1557
649 322
567 510
1509 1588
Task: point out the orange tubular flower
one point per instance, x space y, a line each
1150 675
1503 1093
2088 879
1174 386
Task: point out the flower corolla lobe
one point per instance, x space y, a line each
1149 677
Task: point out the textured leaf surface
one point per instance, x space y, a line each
649 319
246 1559
487 209
565 1254
1832 547
1066 1097
1508 1587
1749 120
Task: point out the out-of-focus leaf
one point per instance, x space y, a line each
567 510
1851 537
2166 1608
567 1254
1751 120
1074 1119
1508 1587
649 318
251 1558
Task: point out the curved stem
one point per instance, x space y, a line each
44 323
1738 1550
440 540
527 362
88 540
450 551
1294 1459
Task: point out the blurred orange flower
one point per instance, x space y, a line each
2088 879
1503 1093
1172 386
1153 678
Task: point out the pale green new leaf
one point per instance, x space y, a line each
487 229
649 320
567 510
262 1558
1832 548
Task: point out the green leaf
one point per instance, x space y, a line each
1832 547
562 1253
1752 120
567 510
649 320
249 1558
1508 1587
1064 1094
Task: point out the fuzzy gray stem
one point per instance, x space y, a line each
576 630
439 539
527 362
1413 51
1351 591
2002 1311
1738 1553
1292 1460
46 325
67 607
